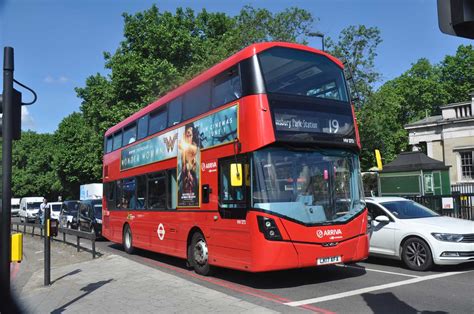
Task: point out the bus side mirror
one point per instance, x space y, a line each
236 174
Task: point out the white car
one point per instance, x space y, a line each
29 208
55 209
403 229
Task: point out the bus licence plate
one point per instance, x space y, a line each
329 260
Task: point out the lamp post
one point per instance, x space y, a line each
320 35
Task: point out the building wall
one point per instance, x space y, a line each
437 150
452 154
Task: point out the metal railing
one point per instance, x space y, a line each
78 234
463 187
458 205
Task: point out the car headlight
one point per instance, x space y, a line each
448 237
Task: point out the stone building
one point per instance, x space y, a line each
449 138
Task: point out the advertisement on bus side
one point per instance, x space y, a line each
189 161
215 129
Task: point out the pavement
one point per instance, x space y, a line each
111 283
146 281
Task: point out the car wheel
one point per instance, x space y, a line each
200 255
416 254
127 240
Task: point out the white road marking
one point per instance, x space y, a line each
378 271
371 289
37 252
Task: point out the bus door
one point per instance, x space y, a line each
230 233
140 217
162 201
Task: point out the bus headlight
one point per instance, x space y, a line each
268 227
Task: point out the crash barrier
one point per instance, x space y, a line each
78 234
457 204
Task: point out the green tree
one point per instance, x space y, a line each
33 173
76 160
260 25
416 94
457 74
357 45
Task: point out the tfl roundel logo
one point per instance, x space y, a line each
320 233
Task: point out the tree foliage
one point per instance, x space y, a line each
414 95
77 160
357 45
33 173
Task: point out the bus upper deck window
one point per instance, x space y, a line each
226 88
142 131
109 144
157 121
117 140
175 108
130 134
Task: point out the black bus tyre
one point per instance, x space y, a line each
127 240
416 254
200 255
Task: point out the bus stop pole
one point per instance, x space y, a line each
7 129
47 245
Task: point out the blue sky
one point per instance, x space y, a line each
59 43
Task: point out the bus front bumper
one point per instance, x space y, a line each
279 255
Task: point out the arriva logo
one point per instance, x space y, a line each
329 232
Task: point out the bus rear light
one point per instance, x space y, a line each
268 227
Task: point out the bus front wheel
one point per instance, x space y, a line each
127 240
200 255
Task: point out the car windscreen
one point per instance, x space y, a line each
98 211
408 209
71 208
56 207
33 205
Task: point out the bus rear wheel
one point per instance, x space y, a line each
127 240
200 255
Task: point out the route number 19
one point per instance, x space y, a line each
333 126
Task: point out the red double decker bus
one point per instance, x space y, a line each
252 165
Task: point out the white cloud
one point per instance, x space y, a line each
48 79
52 80
27 122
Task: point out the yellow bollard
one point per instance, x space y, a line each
17 247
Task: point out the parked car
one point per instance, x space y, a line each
15 208
89 216
408 231
68 214
55 208
29 207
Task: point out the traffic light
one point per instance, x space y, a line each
16 115
456 17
